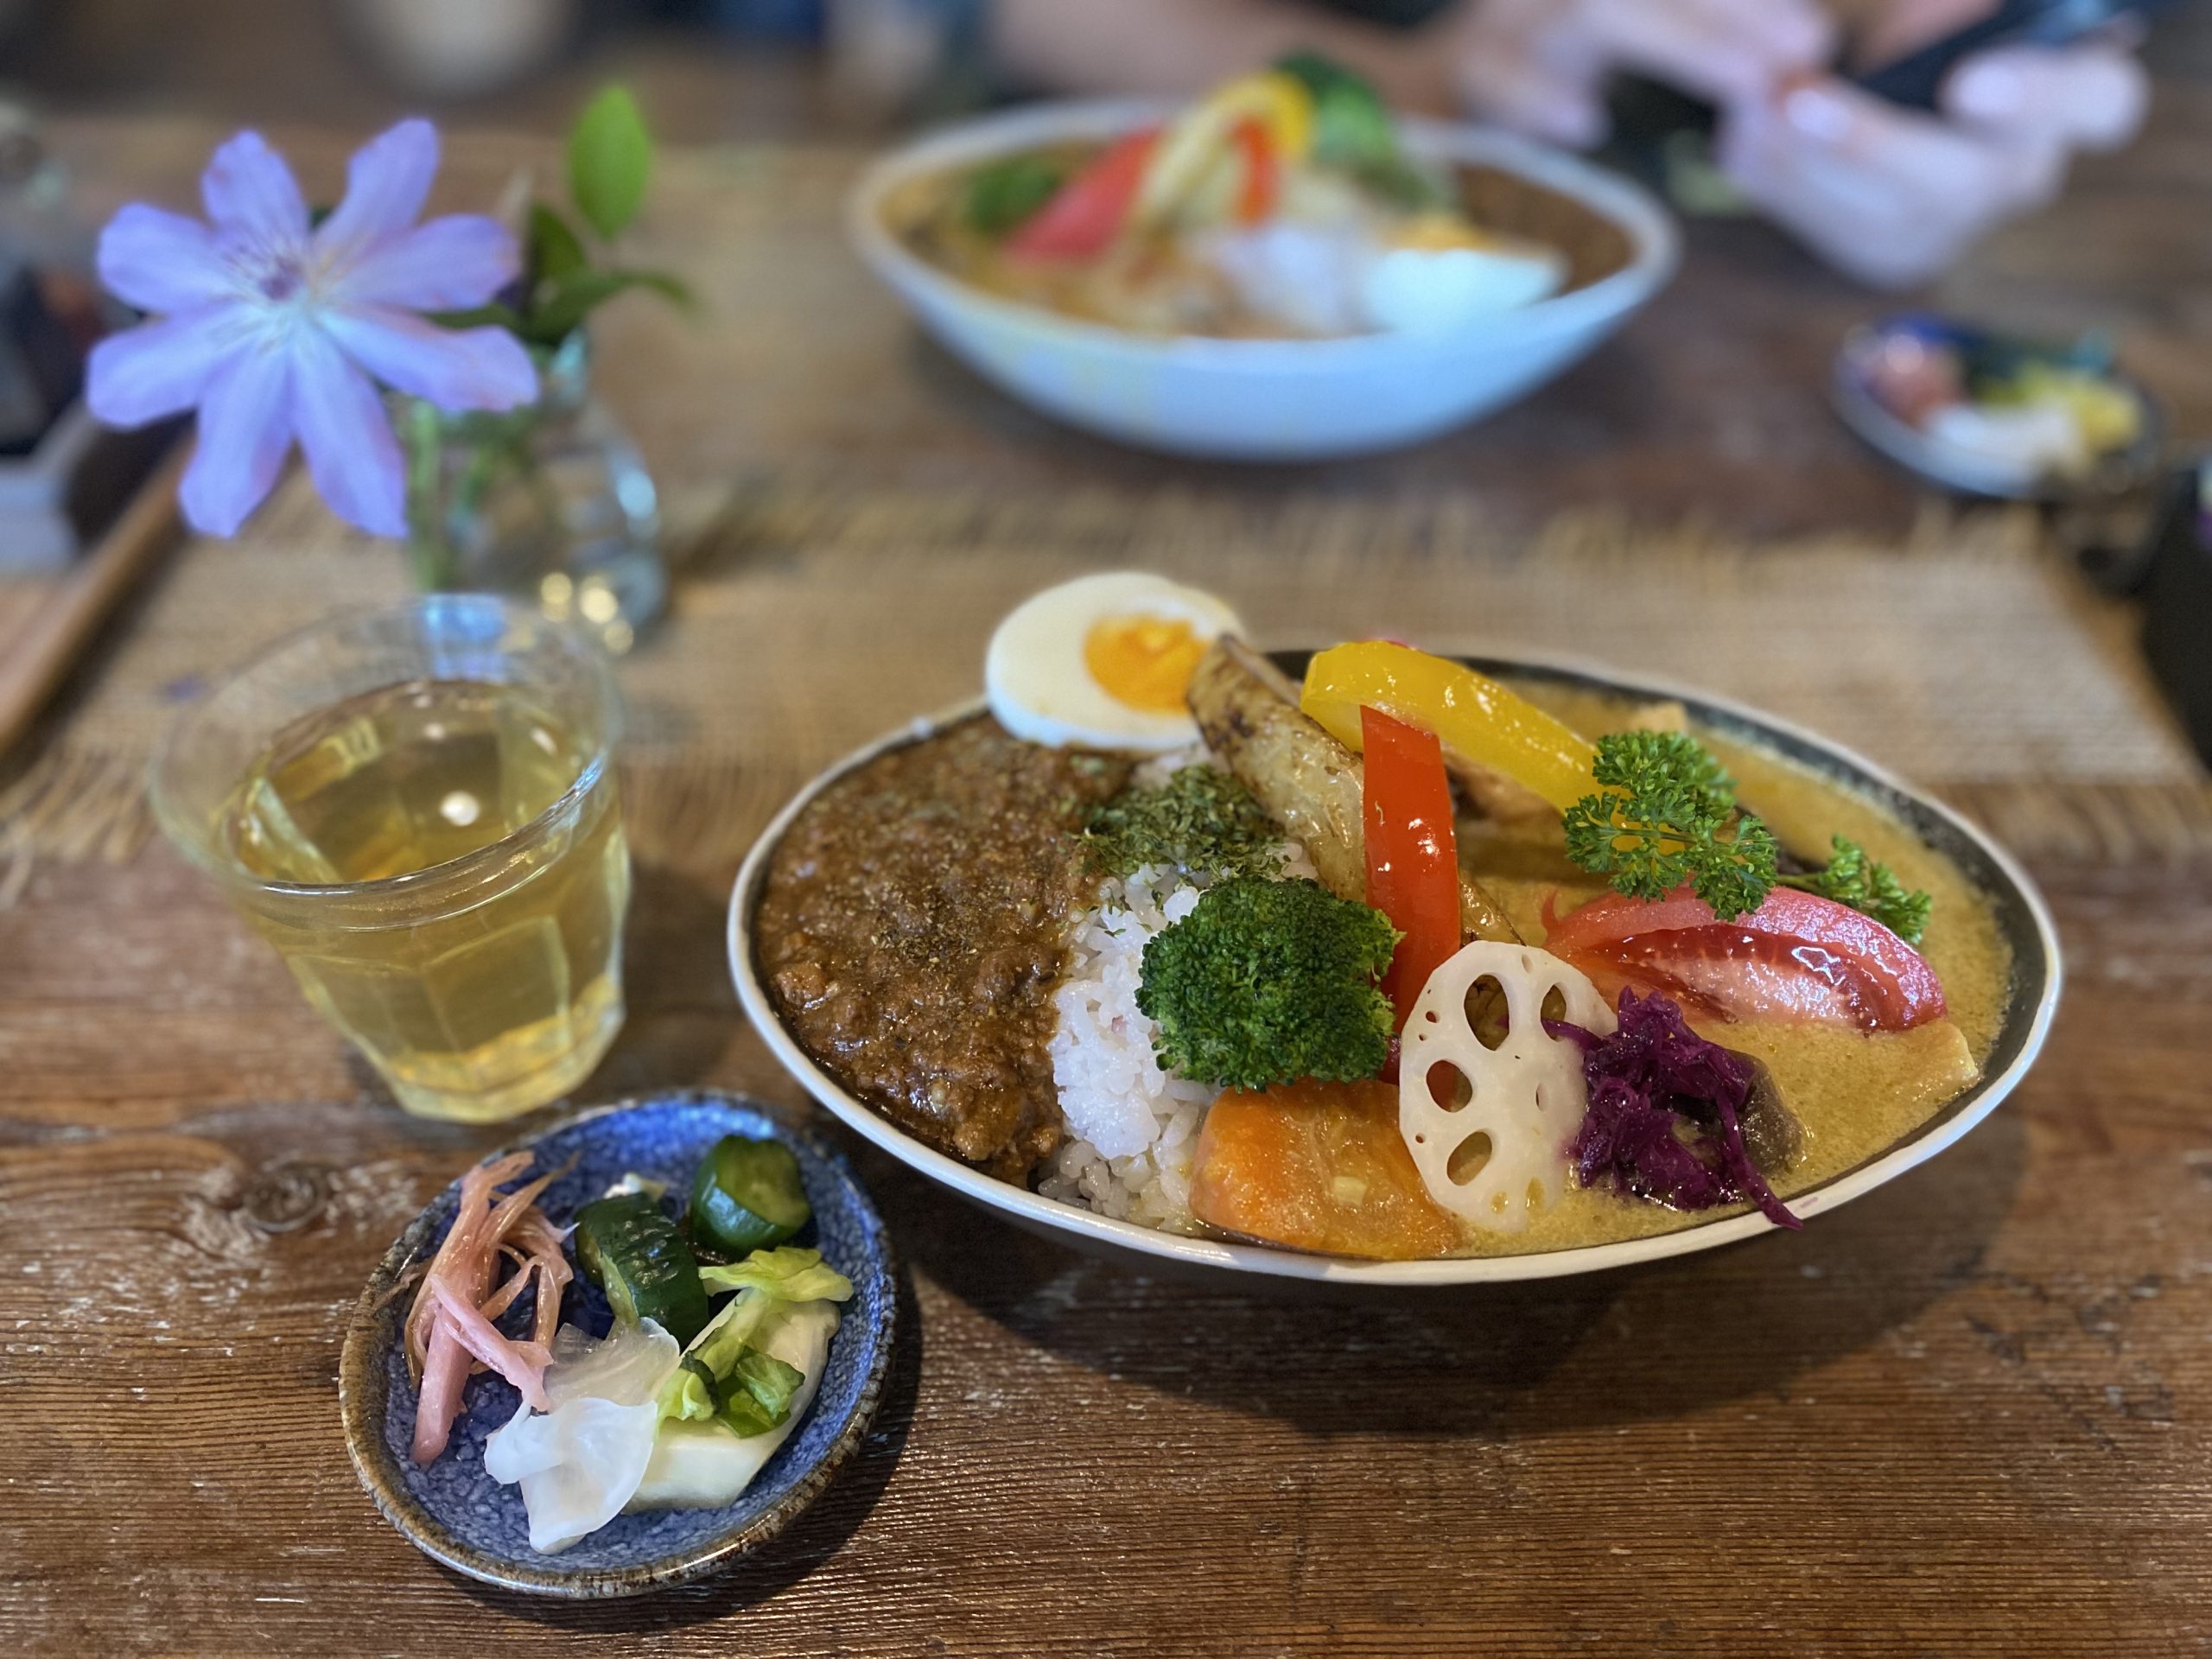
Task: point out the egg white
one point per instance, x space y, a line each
1420 290
1040 687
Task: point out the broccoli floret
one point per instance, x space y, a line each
1266 981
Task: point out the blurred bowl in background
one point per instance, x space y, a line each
1917 388
1282 400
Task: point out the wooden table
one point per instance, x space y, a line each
1970 1413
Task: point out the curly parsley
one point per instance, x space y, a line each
1666 817
1672 822
1852 878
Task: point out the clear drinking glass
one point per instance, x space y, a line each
417 808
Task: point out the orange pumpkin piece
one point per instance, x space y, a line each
1318 1166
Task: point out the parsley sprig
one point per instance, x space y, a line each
1853 878
1666 816
1672 821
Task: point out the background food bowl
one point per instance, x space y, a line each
2021 917
1279 399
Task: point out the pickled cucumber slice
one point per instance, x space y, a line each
746 1196
630 1249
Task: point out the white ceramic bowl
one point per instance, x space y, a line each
1260 399
2020 913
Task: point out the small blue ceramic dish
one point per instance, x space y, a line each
458 1514
1871 355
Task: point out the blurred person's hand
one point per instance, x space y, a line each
1890 195
1893 196
1544 66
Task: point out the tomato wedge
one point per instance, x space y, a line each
1087 213
1413 854
1797 956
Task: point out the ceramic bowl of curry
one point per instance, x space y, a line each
1270 399
1995 946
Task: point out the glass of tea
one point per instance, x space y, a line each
417 808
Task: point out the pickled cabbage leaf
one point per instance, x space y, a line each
705 1465
727 1373
580 1463
1665 1117
787 1272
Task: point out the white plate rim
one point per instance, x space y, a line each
1936 1136
1654 238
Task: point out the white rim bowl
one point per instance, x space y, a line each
2027 921
1482 349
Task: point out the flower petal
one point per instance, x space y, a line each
358 468
160 261
251 194
386 184
453 368
449 264
246 428
160 368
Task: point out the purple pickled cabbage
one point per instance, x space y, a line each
1650 1081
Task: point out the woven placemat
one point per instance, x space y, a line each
848 549
808 619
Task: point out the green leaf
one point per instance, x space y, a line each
610 158
1668 815
494 315
1007 194
555 249
577 295
689 1394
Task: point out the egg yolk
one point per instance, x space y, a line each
1143 662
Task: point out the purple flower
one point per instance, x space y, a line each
272 330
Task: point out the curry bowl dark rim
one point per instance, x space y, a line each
2021 917
363 1396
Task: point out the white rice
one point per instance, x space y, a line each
1134 1126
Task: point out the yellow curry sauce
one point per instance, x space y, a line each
1854 1094
1151 285
912 917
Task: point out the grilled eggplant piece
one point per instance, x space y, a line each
1311 783
1772 1135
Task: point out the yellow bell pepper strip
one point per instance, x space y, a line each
1471 714
1196 141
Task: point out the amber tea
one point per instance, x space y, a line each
474 1010
417 808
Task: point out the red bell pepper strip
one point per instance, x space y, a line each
1413 854
1262 170
1088 211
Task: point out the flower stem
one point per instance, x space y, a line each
428 549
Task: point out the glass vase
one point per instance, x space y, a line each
550 504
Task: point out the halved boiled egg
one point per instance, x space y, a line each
1436 272
1104 663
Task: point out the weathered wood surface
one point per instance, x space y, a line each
1971 1413
1967 1414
